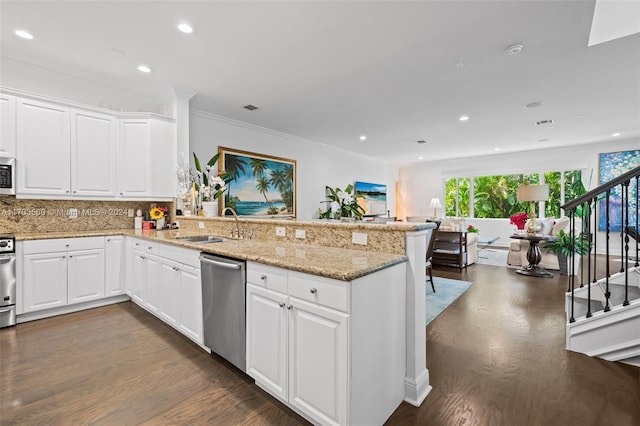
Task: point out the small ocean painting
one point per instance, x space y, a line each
375 198
612 165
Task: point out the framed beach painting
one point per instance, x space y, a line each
262 185
612 165
374 202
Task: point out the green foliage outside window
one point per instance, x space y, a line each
496 196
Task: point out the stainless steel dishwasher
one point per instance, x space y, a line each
223 307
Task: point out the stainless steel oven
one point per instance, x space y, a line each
7 176
7 281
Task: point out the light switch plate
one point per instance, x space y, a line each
280 231
359 238
201 225
73 213
301 233
130 213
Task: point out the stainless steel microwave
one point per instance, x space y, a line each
7 176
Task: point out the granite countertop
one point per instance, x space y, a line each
337 263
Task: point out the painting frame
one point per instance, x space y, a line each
610 166
251 171
374 194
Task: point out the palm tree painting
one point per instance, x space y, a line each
262 185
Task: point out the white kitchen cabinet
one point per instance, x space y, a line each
152 266
7 125
93 154
190 301
114 266
315 345
137 284
318 361
85 276
43 164
44 281
267 342
169 292
147 158
62 271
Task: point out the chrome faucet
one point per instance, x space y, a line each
235 215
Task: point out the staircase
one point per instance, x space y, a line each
603 307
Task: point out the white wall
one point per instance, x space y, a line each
317 165
420 182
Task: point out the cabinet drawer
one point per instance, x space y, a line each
62 244
323 291
146 246
267 276
181 255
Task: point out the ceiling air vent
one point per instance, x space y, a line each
544 122
421 141
250 107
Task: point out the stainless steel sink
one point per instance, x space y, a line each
204 239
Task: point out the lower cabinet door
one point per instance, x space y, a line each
136 283
44 281
114 266
152 285
318 375
267 339
86 275
169 292
190 303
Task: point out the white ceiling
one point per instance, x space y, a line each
330 71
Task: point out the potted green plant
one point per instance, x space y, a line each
562 248
344 204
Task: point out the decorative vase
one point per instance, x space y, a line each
160 223
210 208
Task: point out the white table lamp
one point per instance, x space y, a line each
435 204
533 194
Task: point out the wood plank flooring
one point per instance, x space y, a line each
496 357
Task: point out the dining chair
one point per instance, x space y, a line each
430 247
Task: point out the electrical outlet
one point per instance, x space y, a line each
359 238
280 231
73 213
130 213
201 225
301 233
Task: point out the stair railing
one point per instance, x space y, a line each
585 207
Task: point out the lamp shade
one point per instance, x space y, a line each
435 203
533 192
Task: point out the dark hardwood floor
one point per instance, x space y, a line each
496 357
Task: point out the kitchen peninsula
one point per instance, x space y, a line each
374 296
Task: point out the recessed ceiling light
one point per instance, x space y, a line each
544 140
420 158
363 138
24 34
535 104
514 49
464 118
496 149
185 28
616 134
143 68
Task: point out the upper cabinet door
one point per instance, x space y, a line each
43 148
135 179
93 154
7 125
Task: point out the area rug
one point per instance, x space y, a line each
447 290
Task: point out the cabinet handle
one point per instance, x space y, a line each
64 257
290 307
66 192
176 269
282 304
108 239
263 277
313 291
150 248
75 192
66 245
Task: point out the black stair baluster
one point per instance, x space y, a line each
607 294
595 229
637 216
625 196
583 225
588 204
622 231
572 224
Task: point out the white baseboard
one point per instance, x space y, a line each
46 313
416 391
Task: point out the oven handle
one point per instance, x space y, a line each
6 259
3 310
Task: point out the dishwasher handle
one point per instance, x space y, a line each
204 259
